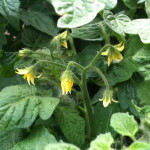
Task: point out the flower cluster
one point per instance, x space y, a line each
113 53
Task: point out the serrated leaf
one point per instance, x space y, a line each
139 146
19 106
10 10
126 93
116 22
131 4
124 124
109 4
38 139
143 92
40 18
71 124
61 146
102 142
76 13
9 140
140 27
90 32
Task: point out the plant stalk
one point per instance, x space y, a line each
90 126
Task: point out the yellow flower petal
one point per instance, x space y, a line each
64 43
105 53
63 35
118 45
121 48
106 103
66 86
114 101
28 74
22 71
117 56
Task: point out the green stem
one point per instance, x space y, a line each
101 75
45 79
72 63
76 79
71 41
50 62
106 36
97 55
133 138
90 126
59 52
36 42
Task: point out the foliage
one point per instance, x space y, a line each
87 63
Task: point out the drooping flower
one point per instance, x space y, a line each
66 82
28 74
113 53
107 98
62 37
25 52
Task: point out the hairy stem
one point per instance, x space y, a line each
106 36
97 55
72 45
90 126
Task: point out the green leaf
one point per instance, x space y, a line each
9 140
143 92
34 39
140 27
19 107
90 32
61 146
3 39
109 4
40 18
139 146
126 93
10 10
142 57
131 4
71 124
124 124
76 13
116 22
122 71
102 142
38 139
88 53
147 7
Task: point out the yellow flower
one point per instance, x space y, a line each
62 37
66 82
107 98
28 74
114 53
